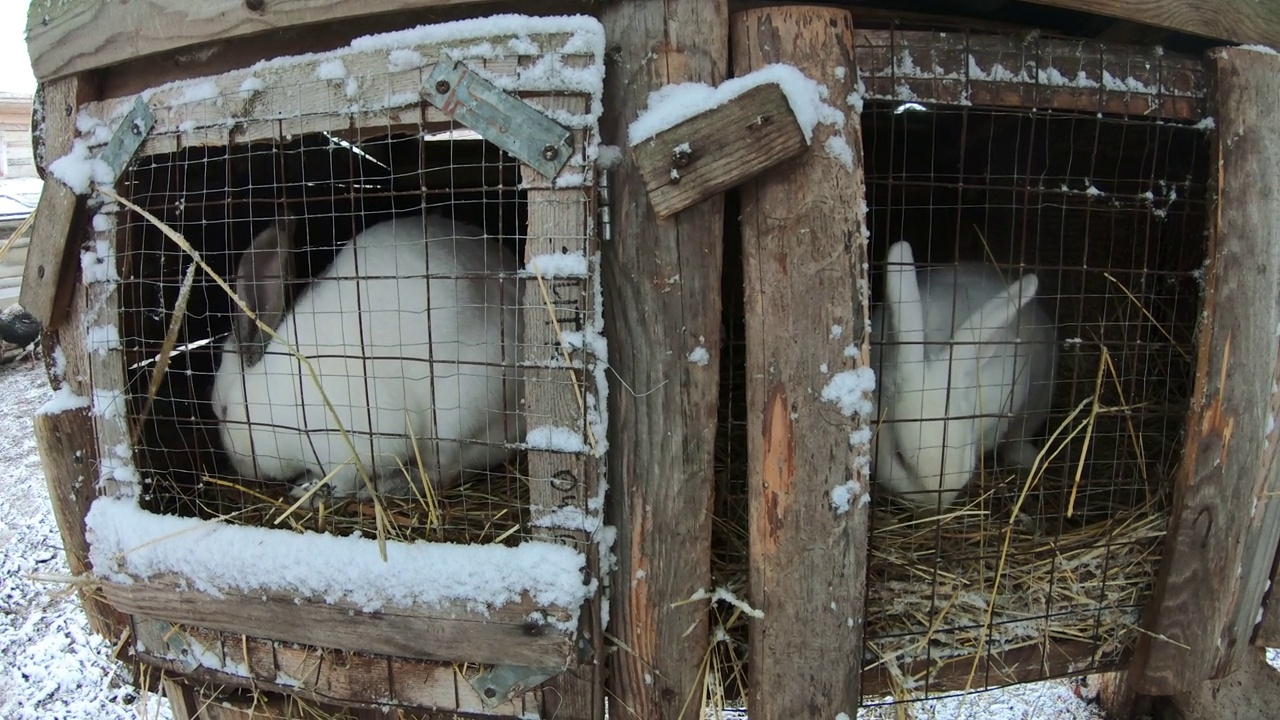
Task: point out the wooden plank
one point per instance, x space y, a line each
1268 632
662 279
182 700
1011 70
1239 21
804 253
1225 520
321 676
1055 658
70 37
452 633
719 149
53 258
69 457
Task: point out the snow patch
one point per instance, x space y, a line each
79 170
851 391
128 543
556 265
555 439
699 356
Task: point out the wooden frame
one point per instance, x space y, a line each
561 220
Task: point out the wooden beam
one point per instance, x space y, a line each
719 149
662 279
804 258
65 37
1268 632
453 634
1237 21
1225 521
53 257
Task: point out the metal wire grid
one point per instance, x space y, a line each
336 185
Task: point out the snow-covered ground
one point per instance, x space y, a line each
53 666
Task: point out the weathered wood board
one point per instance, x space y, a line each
662 279
1241 21
804 257
719 149
1225 520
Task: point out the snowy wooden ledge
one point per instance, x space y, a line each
694 141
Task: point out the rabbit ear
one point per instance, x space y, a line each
262 280
902 300
971 341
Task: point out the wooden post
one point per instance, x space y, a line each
1252 691
1225 521
804 250
662 281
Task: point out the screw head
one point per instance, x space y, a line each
550 152
490 693
255 5
682 157
442 86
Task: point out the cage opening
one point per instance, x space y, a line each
336 186
1108 211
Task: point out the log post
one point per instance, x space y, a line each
804 252
662 281
1225 521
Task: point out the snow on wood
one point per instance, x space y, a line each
129 543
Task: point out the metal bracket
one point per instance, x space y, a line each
501 683
128 137
502 119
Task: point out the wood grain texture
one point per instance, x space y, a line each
1240 21
563 221
804 254
70 36
1225 518
53 257
662 281
451 633
69 457
362 683
726 145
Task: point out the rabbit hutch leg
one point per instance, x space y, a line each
803 247
662 281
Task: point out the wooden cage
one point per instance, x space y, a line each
729 238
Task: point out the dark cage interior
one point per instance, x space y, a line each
336 185
1026 576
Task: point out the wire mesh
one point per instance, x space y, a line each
418 336
1048 569
1021 579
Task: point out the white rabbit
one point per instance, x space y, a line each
953 384
400 357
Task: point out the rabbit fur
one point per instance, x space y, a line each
942 343
403 360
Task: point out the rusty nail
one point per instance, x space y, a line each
550 152
442 86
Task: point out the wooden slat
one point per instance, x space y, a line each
804 257
563 221
347 679
1225 520
1011 70
662 279
69 457
450 633
1056 658
727 145
1240 21
70 36
53 257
